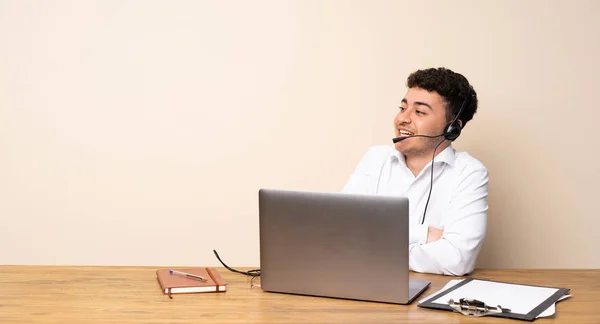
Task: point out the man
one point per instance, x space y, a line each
448 204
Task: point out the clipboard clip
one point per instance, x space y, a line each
474 307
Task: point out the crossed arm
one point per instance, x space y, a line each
453 250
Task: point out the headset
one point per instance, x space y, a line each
451 132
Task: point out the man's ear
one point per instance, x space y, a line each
460 123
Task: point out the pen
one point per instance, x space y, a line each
189 275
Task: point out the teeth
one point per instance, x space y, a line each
405 133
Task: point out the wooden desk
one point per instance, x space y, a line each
50 294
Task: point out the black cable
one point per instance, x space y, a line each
431 182
252 273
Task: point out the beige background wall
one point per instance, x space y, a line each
138 132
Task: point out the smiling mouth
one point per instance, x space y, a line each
404 133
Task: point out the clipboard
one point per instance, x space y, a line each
526 302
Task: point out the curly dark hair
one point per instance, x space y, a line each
452 86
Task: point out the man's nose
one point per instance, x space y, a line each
403 117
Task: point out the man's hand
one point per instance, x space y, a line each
434 234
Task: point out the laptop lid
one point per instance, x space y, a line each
336 245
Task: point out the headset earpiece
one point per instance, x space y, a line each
452 131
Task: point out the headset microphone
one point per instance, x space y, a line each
398 139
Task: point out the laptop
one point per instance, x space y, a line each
336 245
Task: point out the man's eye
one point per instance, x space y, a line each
402 108
419 112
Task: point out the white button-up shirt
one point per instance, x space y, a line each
458 204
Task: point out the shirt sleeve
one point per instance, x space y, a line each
464 230
363 179
417 233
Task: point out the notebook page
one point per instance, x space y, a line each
519 299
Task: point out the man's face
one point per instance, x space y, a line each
423 113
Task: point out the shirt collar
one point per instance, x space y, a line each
447 156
